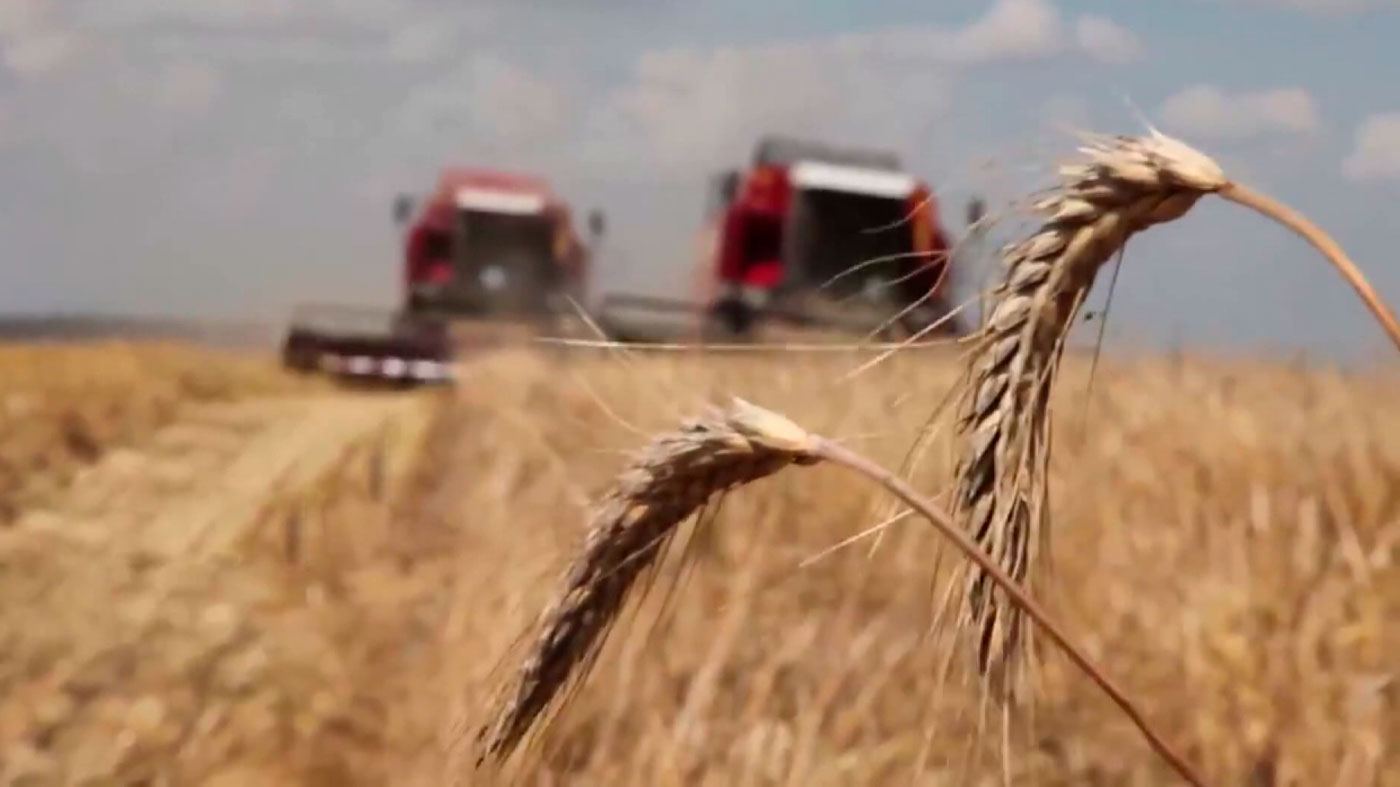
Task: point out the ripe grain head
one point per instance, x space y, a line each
1123 186
674 476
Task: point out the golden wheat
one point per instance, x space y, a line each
1180 567
673 477
1124 185
1234 531
1127 185
63 404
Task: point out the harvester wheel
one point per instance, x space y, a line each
736 317
301 361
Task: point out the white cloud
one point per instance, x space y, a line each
113 111
1011 29
243 14
278 48
419 41
1376 151
40 54
1106 40
20 16
32 41
688 107
513 103
308 40
1209 111
494 98
1332 7
188 87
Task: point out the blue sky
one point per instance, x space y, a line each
230 157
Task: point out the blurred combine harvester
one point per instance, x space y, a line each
810 236
488 257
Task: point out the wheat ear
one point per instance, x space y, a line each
673 477
668 481
1124 185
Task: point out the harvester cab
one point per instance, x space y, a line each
493 247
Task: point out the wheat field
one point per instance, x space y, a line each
1225 543
62 404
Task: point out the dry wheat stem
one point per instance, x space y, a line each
673 477
1299 224
1124 185
839 455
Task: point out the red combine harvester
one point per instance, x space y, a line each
813 236
487 256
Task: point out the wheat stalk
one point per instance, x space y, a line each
672 478
1124 185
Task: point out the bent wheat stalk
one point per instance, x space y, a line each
1123 186
673 478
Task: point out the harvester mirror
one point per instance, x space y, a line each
403 208
729 186
597 223
976 210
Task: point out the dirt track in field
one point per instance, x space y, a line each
139 608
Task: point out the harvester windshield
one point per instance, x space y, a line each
504 262
852 245
845 207
818 227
